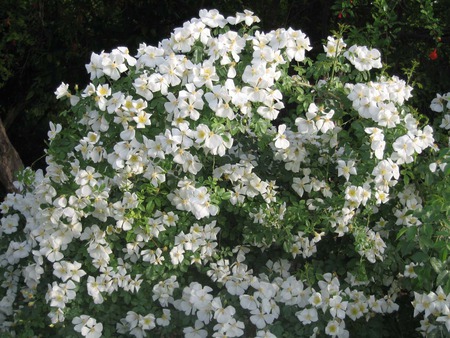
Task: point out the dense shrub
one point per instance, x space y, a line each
225 184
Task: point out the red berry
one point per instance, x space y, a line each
433 55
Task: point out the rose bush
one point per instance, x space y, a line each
224 184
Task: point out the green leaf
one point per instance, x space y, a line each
226 195
411 233
225 138
401 233
419 257
441 276
436 264
149 207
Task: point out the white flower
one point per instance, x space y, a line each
297 44
437 104
445 318
54 130
280 139
264 334
113 65
9 224
442 299
88 326
346 168
336 328
362 58
445 124
62 91
260 319
164 320
307 316
334 46
404 149
195 332
79 322
409 270
246 17
147 322
142 119
177 255
332 328
338 307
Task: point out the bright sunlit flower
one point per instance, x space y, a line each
334 46
280 139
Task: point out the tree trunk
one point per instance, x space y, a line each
10 161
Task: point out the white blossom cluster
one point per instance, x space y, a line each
165 143
432 304
261 298
87 326
363 58
378 102
441 104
